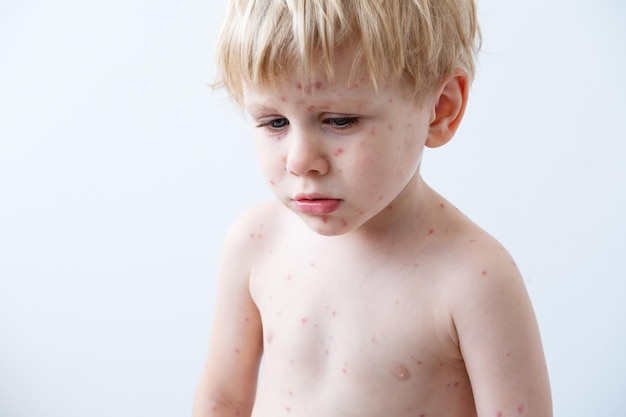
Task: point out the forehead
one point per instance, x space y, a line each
318 92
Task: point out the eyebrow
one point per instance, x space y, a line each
270 105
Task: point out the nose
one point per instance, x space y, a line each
306 155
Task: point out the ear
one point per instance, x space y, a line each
448 109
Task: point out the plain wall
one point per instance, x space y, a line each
120 171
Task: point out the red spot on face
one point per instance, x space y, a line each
304 320
390 100
442 205
431 232
499 414
338 151
318 85
344 223
520 409
484 273
390 126
272 183
299 86
283 99
237 351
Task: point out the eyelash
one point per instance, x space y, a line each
337 123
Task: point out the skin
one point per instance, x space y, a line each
391 304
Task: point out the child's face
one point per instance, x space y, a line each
340 156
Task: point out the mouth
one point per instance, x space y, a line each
316 204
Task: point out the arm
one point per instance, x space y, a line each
228 383
500 343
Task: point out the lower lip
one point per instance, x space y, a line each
321 207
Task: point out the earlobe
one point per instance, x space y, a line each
448 109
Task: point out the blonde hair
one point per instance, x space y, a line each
418 42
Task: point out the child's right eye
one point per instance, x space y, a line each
274 124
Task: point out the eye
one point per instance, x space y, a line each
273 124
342 123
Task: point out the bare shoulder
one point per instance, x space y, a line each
494 326
254 228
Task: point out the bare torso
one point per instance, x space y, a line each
360 332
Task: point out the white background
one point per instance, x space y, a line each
120 171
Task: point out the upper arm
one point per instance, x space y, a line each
500 342
236 343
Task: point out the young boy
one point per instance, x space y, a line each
366 293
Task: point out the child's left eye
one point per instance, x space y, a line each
340 123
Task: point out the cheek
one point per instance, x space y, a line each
271 160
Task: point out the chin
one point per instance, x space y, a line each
326 226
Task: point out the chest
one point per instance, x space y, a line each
371 319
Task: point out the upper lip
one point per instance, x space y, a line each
312 196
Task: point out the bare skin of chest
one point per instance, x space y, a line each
356 341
